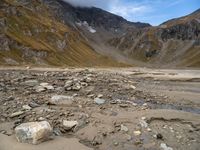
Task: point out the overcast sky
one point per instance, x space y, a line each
154 12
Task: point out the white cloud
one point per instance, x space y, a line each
119 7
89 3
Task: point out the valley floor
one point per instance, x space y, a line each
116 108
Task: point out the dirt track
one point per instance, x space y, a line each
156 106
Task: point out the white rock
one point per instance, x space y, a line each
33 132
61 100
26 107
137 133
124 128
31 82
68 84
99 101
40 89
165 147
69 124
132 87
143 124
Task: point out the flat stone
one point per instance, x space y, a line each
40 89
69 124
132 87
61 100
31 82
99 101
33 132
26 107
15 114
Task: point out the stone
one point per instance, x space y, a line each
165 147
31 83
137 133
69 124
123 105
149 129
116 143
41 119
61 100
159 136
99 101
40 89
47 86
15 114
33 132
128 137
68 84
124 128
26 107
133 87
145 104
143 124
33 104
100 96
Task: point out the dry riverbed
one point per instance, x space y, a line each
105 109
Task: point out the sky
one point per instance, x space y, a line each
154 12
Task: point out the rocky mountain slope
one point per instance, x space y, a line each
32 32
173 43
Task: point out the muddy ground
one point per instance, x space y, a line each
116 109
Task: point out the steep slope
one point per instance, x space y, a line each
32 32
173 43
98 27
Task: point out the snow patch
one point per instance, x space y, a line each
87 26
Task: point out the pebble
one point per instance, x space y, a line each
137 133
61 100
124 128
47 86
133 87
31 82
40 89
123 105
165 147
143 124
26 107
69 124
99 101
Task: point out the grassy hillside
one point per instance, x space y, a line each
30 34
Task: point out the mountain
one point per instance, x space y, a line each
53 32
173 43
32 32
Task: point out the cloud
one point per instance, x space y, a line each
119 7
104 4
129 10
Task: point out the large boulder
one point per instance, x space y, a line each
33 132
